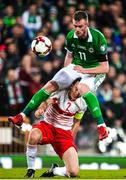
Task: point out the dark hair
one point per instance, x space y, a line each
76 80
78 15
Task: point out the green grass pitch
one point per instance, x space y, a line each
18 173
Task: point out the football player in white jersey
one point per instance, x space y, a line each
60 112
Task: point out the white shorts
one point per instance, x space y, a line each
67 75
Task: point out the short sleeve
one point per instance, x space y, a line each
68 46
81 104
102 44
56 94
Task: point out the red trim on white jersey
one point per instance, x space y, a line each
57 119
61 113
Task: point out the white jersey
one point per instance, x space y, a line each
61 113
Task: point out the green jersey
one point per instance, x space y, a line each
87 52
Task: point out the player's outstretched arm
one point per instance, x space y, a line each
102 68
68 58
75 128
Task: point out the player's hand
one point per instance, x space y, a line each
79 69
38 113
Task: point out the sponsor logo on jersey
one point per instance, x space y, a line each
82 47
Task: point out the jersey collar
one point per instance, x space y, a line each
89 36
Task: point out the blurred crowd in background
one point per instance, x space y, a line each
22 73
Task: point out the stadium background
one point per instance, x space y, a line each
22 73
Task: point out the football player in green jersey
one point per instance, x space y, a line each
86 57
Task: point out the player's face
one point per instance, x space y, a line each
74 93
81 28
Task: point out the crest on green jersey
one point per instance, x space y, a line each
91 50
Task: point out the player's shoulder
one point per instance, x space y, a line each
62 92
56 93
70 34
96 33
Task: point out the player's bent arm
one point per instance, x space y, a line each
75 128
77 118
68 58
43 106
102 68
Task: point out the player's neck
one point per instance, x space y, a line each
85 38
